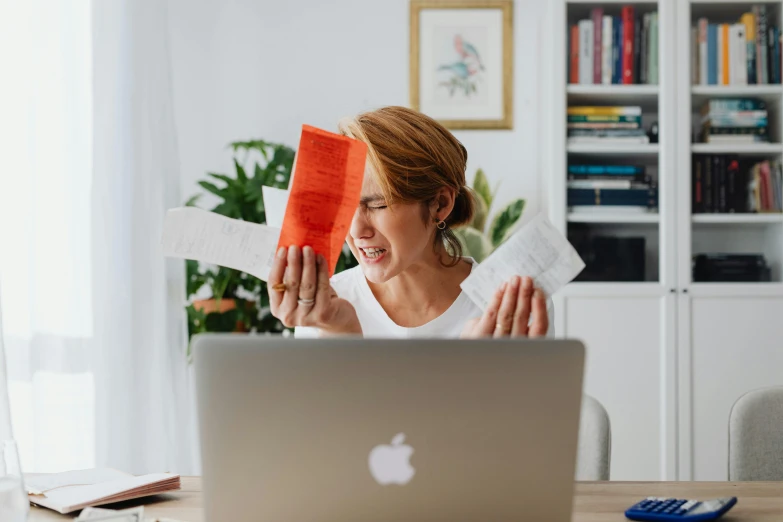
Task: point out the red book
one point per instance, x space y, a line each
597 14
574 70
628 24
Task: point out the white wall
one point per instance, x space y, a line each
261 68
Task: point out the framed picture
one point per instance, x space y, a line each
461 62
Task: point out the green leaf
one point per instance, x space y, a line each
480 215
241 174
505 220
228 209
474 243
210 187
225 322
229 181
192 201
481 186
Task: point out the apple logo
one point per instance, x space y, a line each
390 464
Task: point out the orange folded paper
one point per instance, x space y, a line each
325 192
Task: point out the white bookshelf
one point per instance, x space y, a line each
614 150
713 366
745 149
601 217
700 345
738 219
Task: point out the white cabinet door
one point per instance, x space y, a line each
626 370
736 346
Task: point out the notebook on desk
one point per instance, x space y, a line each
74 490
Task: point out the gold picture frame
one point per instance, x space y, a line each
499 118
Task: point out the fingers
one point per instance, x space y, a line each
293 278
276 277
307 286
505 317
524 306
323 293
486 325
540 325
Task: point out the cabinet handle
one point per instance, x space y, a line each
672 290
684 290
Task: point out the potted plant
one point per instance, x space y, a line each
479 240
237 301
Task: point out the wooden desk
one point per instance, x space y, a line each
594 502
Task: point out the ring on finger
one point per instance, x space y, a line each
502 327
305 302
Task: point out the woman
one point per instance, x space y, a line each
410 268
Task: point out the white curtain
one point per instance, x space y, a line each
94 324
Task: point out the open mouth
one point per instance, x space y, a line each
373 253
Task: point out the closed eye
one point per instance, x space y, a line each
377 208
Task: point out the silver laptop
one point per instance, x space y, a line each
356 430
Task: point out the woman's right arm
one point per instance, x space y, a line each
300 294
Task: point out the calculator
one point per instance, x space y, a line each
655 509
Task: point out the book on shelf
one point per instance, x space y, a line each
730 268
616 187
746 51
607 258
632 172
738 120
607 49
605 124
643 197
722 184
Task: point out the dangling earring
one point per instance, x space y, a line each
440 224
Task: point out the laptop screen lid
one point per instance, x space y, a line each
356 429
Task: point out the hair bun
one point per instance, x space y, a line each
464 207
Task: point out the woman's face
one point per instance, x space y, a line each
387 239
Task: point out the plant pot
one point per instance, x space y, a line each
209 306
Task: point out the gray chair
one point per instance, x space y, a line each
595 442
756 435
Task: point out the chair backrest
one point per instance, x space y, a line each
595 442
756 435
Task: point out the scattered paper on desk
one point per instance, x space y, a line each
193 233
275 202
536 250
40 483
78 494
324 192
111 515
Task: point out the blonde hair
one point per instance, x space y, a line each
413 157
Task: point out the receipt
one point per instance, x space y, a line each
537 250
275 201
193 233
324 193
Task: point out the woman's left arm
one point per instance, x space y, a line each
517 309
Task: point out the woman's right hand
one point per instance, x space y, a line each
300 293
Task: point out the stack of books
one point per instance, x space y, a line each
730 268
614 49
742 53
732 121
722 184
614 188
606 125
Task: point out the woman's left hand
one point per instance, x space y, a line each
509 312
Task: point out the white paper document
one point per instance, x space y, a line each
110 515
275 201
74 490
193 233
40 483
536 250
